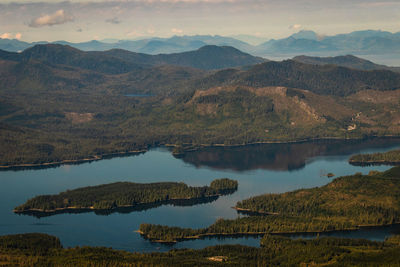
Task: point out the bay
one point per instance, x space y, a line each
264 168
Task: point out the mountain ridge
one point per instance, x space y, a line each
117 61
366 42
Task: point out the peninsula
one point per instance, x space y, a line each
346 203
387 158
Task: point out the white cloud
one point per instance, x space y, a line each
6 35
295 26
59 17
176 31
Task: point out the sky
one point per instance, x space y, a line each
84 20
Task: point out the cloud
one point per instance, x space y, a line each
59 17
176 31
6 35
295 26
114 20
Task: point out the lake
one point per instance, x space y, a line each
267 168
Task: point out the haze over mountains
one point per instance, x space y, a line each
369 42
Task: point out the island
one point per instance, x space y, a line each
34 249
125 196
387 158
346 203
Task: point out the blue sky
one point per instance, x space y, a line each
85 20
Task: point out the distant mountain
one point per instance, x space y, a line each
121 61
359 42
292 45
345 61
367 42
152 46
310 35
250 39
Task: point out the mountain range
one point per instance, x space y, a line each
61 103
116 61
368 42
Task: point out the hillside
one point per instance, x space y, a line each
57 107
348 61
324 80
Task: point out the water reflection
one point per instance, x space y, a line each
278 157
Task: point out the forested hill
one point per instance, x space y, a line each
60 104
324 80
121 61
348 61
142 72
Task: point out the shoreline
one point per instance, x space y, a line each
373 162
70 161
139 206
243 234
248 211
190 148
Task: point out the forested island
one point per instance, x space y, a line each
46 250
385 158
109 197
346 203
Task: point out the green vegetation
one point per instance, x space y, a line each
390 157
17 250
346 203
125 194
348 61
61 105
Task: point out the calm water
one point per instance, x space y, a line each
259 169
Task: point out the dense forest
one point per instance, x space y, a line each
61 105
125 194
345 203
390 157
45 250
